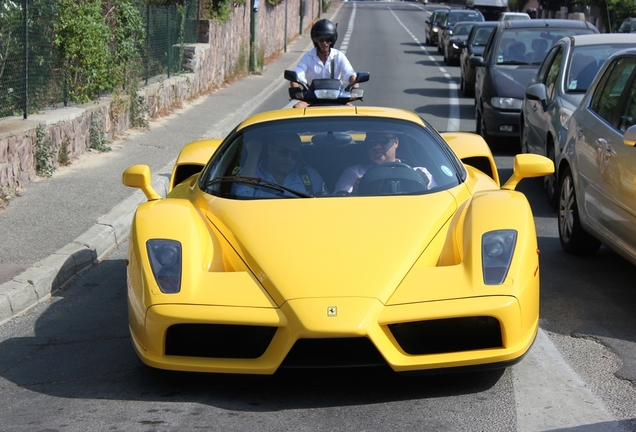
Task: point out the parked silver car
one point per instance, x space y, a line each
557 90
597 167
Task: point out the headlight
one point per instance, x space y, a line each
165 261
564 117
496 255
455 46
507 103
327 94
435 29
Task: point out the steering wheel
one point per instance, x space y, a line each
391 178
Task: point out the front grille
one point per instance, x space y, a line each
448 335
333 353
218 340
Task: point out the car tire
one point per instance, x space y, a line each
468 90
574 239
523 140
462 83
550 181
480 125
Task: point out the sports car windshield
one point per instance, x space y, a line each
331 157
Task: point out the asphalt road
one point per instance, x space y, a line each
68 364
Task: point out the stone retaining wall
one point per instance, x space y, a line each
223 52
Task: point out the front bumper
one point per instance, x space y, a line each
501 123
407 337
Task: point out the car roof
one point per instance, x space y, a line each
546 23
603 38
486 23
465 11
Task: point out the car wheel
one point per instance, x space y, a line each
462 84
428 41
480 125
549 181
573 238
467 89
523 147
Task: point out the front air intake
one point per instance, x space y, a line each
218 340
448 335
333 353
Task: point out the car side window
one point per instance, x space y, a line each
481 36
553 73
489 45
547 64
607 98
628 119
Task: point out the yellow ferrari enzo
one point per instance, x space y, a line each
334 236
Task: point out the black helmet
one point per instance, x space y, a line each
322 28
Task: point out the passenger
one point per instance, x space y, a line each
324 61
539 50
282 166
381 148
515 52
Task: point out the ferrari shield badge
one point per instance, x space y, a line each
332 311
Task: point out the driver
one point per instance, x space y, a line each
282 166
381 148
324 61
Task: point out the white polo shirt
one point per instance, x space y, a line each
310 67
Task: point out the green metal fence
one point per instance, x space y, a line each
31 74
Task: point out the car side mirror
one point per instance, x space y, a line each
537 92
476 61
427 21
630 136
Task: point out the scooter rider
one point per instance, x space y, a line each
324 61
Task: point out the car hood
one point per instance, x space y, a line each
332 247
572 100
511 81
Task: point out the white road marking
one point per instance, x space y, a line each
453 100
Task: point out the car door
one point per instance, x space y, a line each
618 166
538 113
598 137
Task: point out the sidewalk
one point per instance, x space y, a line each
63 226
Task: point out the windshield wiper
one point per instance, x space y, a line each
513 62
257 181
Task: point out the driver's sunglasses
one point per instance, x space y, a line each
285 152
379 141
323 39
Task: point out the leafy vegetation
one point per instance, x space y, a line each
44 153
220 10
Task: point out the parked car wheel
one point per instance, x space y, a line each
574 239
550 181
480 123
524 136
